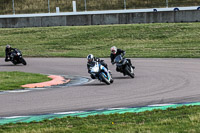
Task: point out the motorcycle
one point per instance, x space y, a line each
16 57
124 66
100 72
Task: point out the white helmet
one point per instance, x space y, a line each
7 46
90 57
113 50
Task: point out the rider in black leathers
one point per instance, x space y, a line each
115 52
8 52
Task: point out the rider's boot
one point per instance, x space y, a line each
124 74
131 64
110 72
111 80
7 59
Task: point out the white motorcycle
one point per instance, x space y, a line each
100 72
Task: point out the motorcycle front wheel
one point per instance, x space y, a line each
104 79
23 61
14 62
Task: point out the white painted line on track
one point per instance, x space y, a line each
157 105
18 91
115 108
14 91
73 112
13 117
37 88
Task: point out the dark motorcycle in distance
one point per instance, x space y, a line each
16 57
124 66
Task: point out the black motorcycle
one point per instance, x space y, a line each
124 66
16 57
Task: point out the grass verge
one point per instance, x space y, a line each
14 80
181 119
160 40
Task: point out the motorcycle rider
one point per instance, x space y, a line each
8 52
91 59
115 52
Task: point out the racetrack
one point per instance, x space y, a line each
157 81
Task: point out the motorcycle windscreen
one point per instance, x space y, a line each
92 64
94 67
118 59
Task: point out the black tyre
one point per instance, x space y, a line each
15 63
128 71
23 61
111 81
104 79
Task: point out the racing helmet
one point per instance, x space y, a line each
7 46
113 50
90 57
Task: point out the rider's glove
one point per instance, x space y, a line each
123 54
98 60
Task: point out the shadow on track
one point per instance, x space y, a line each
121 77
10 65
94 84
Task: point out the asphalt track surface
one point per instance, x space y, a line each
157 81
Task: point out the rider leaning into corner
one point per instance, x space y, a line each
92 59
115 52
8 52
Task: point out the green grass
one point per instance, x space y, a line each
139 40
14 80
174 120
